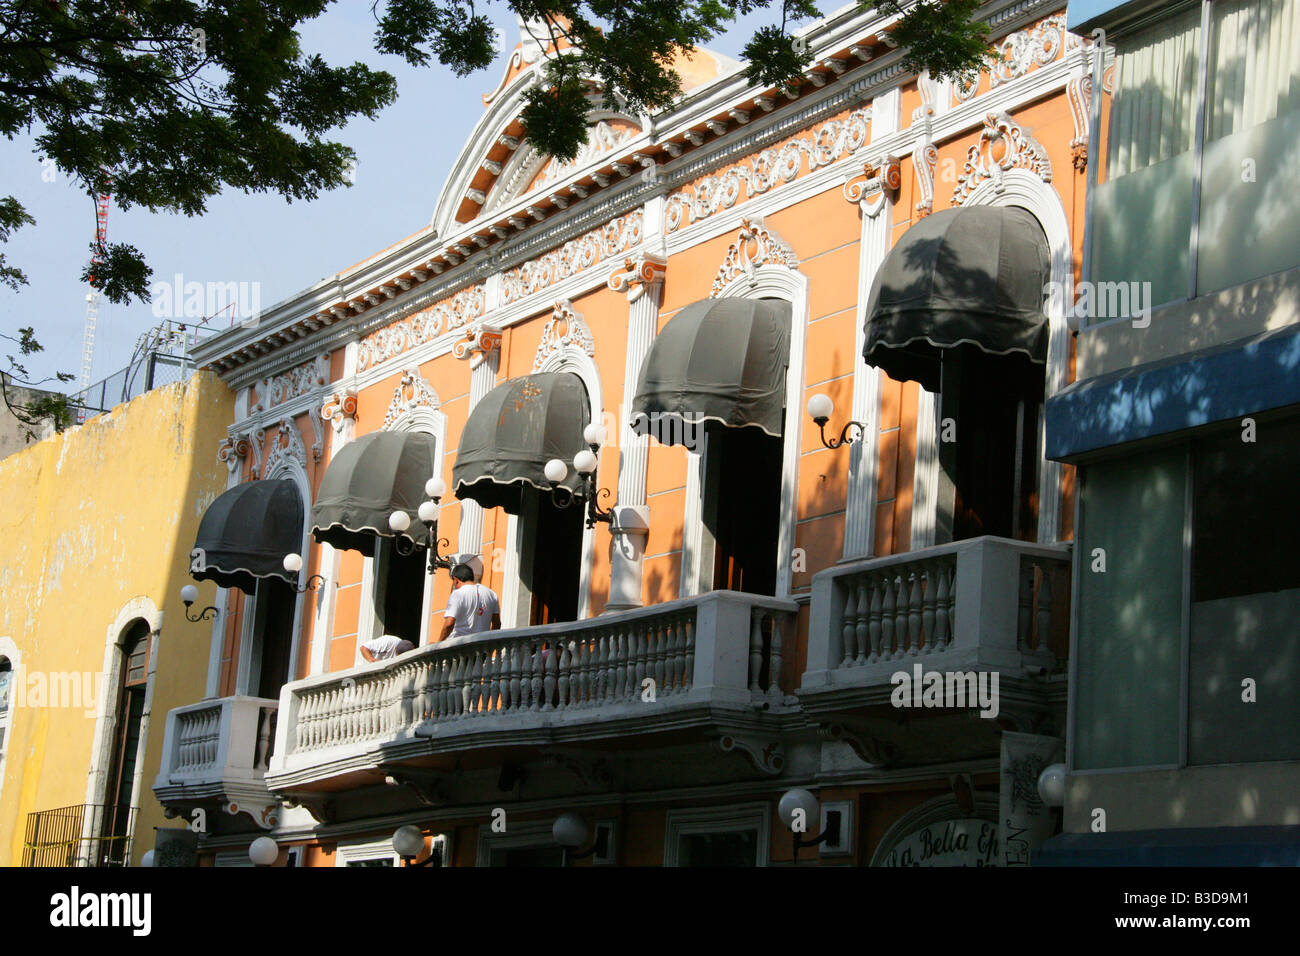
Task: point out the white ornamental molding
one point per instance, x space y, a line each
480 341
234 450
780 164
412 392
1079 94
605 242
462 308
601 138
877 181
755 246
566 329
1039 45
639 272
1002 145
339 408
286 449
925 156
307 377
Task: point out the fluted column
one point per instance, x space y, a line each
641 277
873 189
481 347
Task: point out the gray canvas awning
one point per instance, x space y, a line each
245 534
512 433
370 478
721 360
975 275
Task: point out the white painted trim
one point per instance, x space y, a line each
297 473
101 755
728 819
572 359
9 651
232 858
791 285
925 476
1021 188
357 851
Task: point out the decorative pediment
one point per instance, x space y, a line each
566 329
412 393
286 450
755 246
1002 145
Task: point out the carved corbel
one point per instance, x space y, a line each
423 783
321 808
879 180
480 341
339 408
867 748
639 273
234 450
592 773
266 814
767 755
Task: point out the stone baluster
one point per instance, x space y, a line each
1044 606
549 684
873 621
887 619
914 613
688 622
932 572
755 649
777 661
854 593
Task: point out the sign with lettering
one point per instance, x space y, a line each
962 842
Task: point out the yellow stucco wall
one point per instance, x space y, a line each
95 524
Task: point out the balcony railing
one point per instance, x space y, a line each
82 835
613 674
218 750
985 603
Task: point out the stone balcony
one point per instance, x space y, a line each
704 668
215 755
986 606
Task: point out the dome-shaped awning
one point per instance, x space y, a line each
370 478
512 433
720 360
974 275
245 534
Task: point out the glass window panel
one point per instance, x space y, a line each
1246 598
1254 71
1130 615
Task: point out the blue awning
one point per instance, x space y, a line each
1226 382
1194 846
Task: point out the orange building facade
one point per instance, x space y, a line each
738 627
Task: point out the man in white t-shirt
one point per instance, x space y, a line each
385 648
471 608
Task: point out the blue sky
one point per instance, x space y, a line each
403 159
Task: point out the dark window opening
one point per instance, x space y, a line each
738 848
529 856
402 608
6 678
126 745
742 506
555 571
275 608
991 406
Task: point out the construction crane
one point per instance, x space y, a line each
92 297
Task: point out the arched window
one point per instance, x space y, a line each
115 830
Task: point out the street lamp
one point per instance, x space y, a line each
584 463
263 851
795 809
400 521
570 831
293 564
190 594
820 408
1051 785
408 843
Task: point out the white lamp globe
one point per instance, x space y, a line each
147 859
435 487
399 521
263 851
428 511
1051 785
293 563
594 434
408 841
570 830
556 470
189 594
793 801
820 408
584 462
